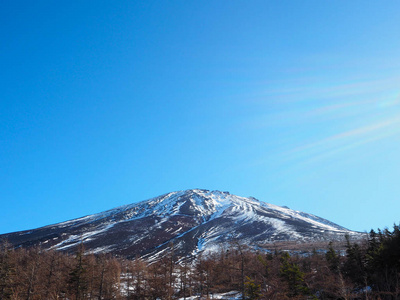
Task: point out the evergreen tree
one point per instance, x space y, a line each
383 262
355 264
294 278
7 271
333 259
252 291
77 281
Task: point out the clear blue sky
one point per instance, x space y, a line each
105 103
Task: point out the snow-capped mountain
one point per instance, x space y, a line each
192 221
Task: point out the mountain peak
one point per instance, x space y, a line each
194 220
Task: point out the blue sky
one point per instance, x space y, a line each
105 103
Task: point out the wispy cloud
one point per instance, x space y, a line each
307 122
346 140
315 122
308 99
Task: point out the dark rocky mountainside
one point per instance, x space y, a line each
193 221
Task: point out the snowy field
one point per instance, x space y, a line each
233 295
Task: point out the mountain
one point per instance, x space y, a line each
192 221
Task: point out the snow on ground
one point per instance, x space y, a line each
233 295
320 222
76 239
209 206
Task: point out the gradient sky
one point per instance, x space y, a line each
106 103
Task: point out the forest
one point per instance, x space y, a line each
369 269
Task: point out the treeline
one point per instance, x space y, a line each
368 270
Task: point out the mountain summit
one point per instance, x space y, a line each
192 221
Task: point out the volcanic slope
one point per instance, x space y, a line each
192 221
